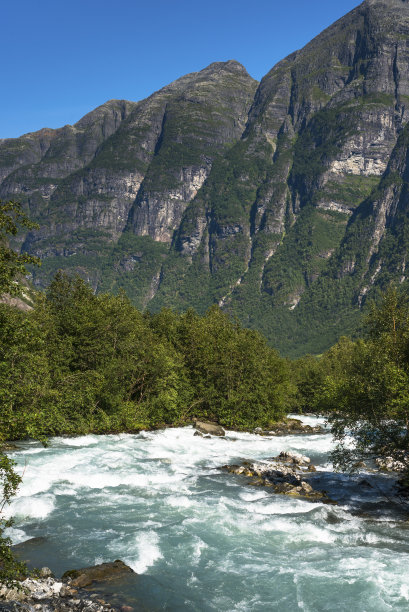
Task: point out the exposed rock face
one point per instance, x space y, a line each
47 594
243 194
390 464
70 593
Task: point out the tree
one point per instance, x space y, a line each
236 378
12 266
368 397
10 568
12 263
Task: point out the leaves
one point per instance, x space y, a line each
12 264
366 394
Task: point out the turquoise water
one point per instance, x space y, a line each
202 539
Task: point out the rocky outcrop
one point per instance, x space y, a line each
392 464
105 572
48 594
70 593
285 474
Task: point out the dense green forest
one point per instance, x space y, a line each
80 362
77 363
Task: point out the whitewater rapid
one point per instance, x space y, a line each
207 540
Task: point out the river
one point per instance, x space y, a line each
202 539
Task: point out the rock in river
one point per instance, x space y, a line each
210 428
105 572
285 474
289 427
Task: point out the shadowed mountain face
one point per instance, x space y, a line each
286 201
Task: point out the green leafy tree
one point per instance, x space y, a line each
367 395
10 568
12 263
12 267
307 375
236 378
102 347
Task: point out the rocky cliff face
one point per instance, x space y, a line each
284 201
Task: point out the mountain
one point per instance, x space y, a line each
285 201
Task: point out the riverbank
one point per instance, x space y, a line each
73 592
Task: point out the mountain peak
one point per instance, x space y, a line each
232 66
229 65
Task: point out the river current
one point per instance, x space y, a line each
202 539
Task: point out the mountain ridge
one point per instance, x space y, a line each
278 200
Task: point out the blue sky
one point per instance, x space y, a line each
61 59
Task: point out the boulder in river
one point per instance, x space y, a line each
105 572
294 457
209 428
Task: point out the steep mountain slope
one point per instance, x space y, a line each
132 177
320 133
284 201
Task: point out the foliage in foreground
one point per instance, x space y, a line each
12 266
369 398
10 568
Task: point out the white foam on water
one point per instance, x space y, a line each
142 551
179 501
309 419
282 505
251 497
192 580
31 507
198 546
404 591
361 563
65 489
16 535
311 533
78 441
